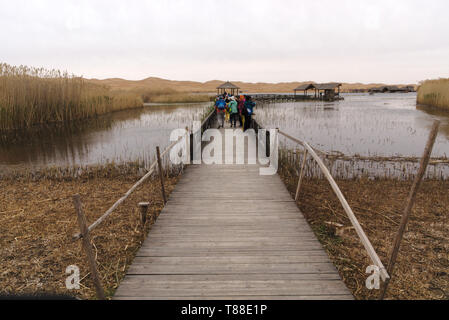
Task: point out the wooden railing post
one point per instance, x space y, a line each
88 247
267 144
190 144
410 202
143 212
161 174
301 175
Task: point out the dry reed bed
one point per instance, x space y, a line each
422 269
37 221
169 96
434 93
35 96
373 167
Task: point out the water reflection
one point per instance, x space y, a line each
441 115
382 125
123 136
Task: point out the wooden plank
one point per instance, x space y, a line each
276 268
229 228
277 244
235 284
229 253
160 238
229 277
161 252
289 297
242 224
227 232
231 259
179 231
290 287
241 219
224 215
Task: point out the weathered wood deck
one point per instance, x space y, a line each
229 233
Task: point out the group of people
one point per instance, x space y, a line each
231 108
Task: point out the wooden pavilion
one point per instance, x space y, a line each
228 87
305 87
330 90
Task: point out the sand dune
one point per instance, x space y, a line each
210 86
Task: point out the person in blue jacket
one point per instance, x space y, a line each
220 106
249 108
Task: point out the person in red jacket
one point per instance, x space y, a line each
240 106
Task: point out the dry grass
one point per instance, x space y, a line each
434 93
37 221
35 96
168 95
422 269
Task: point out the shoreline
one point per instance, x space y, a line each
445 111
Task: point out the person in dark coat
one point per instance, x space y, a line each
240 106
248 109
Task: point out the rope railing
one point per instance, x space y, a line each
86 230
355 223
129 192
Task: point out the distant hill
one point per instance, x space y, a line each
210 86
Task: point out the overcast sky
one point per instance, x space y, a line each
391 41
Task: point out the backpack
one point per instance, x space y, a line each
221 105
249 105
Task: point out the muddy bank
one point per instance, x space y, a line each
37 221
422 269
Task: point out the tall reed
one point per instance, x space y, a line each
434 93
36 96
169 95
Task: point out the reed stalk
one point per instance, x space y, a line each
434 93
36 96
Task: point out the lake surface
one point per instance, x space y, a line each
363 124
130 135
382 125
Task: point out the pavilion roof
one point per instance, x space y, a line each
305 86
327 86
228 85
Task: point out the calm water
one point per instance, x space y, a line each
381 125
123 136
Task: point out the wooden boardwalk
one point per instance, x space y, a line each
229 233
